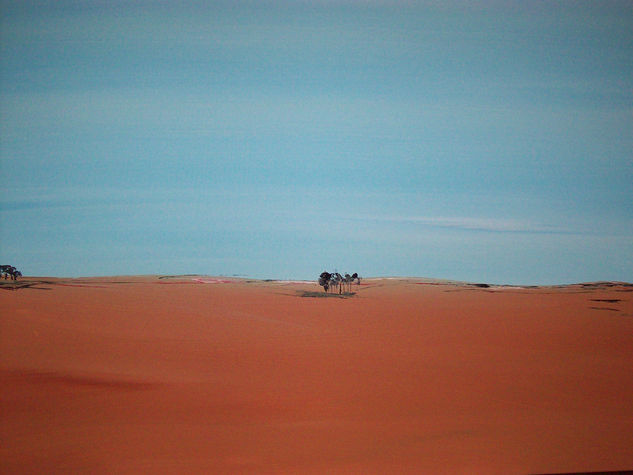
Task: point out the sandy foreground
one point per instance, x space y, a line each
204 375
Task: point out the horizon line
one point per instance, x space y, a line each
242 277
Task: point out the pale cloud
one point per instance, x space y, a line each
497 225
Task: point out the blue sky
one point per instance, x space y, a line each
489 142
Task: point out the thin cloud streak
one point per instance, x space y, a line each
493 225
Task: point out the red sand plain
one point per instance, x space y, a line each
131 375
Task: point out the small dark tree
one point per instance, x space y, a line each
332 280
348 282
8 270
337 280
324 280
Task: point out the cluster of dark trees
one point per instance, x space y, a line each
7 271
335 280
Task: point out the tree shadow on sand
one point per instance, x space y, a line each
321 295
21 285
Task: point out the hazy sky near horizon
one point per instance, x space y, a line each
489 142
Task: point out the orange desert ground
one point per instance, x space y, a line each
201 375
